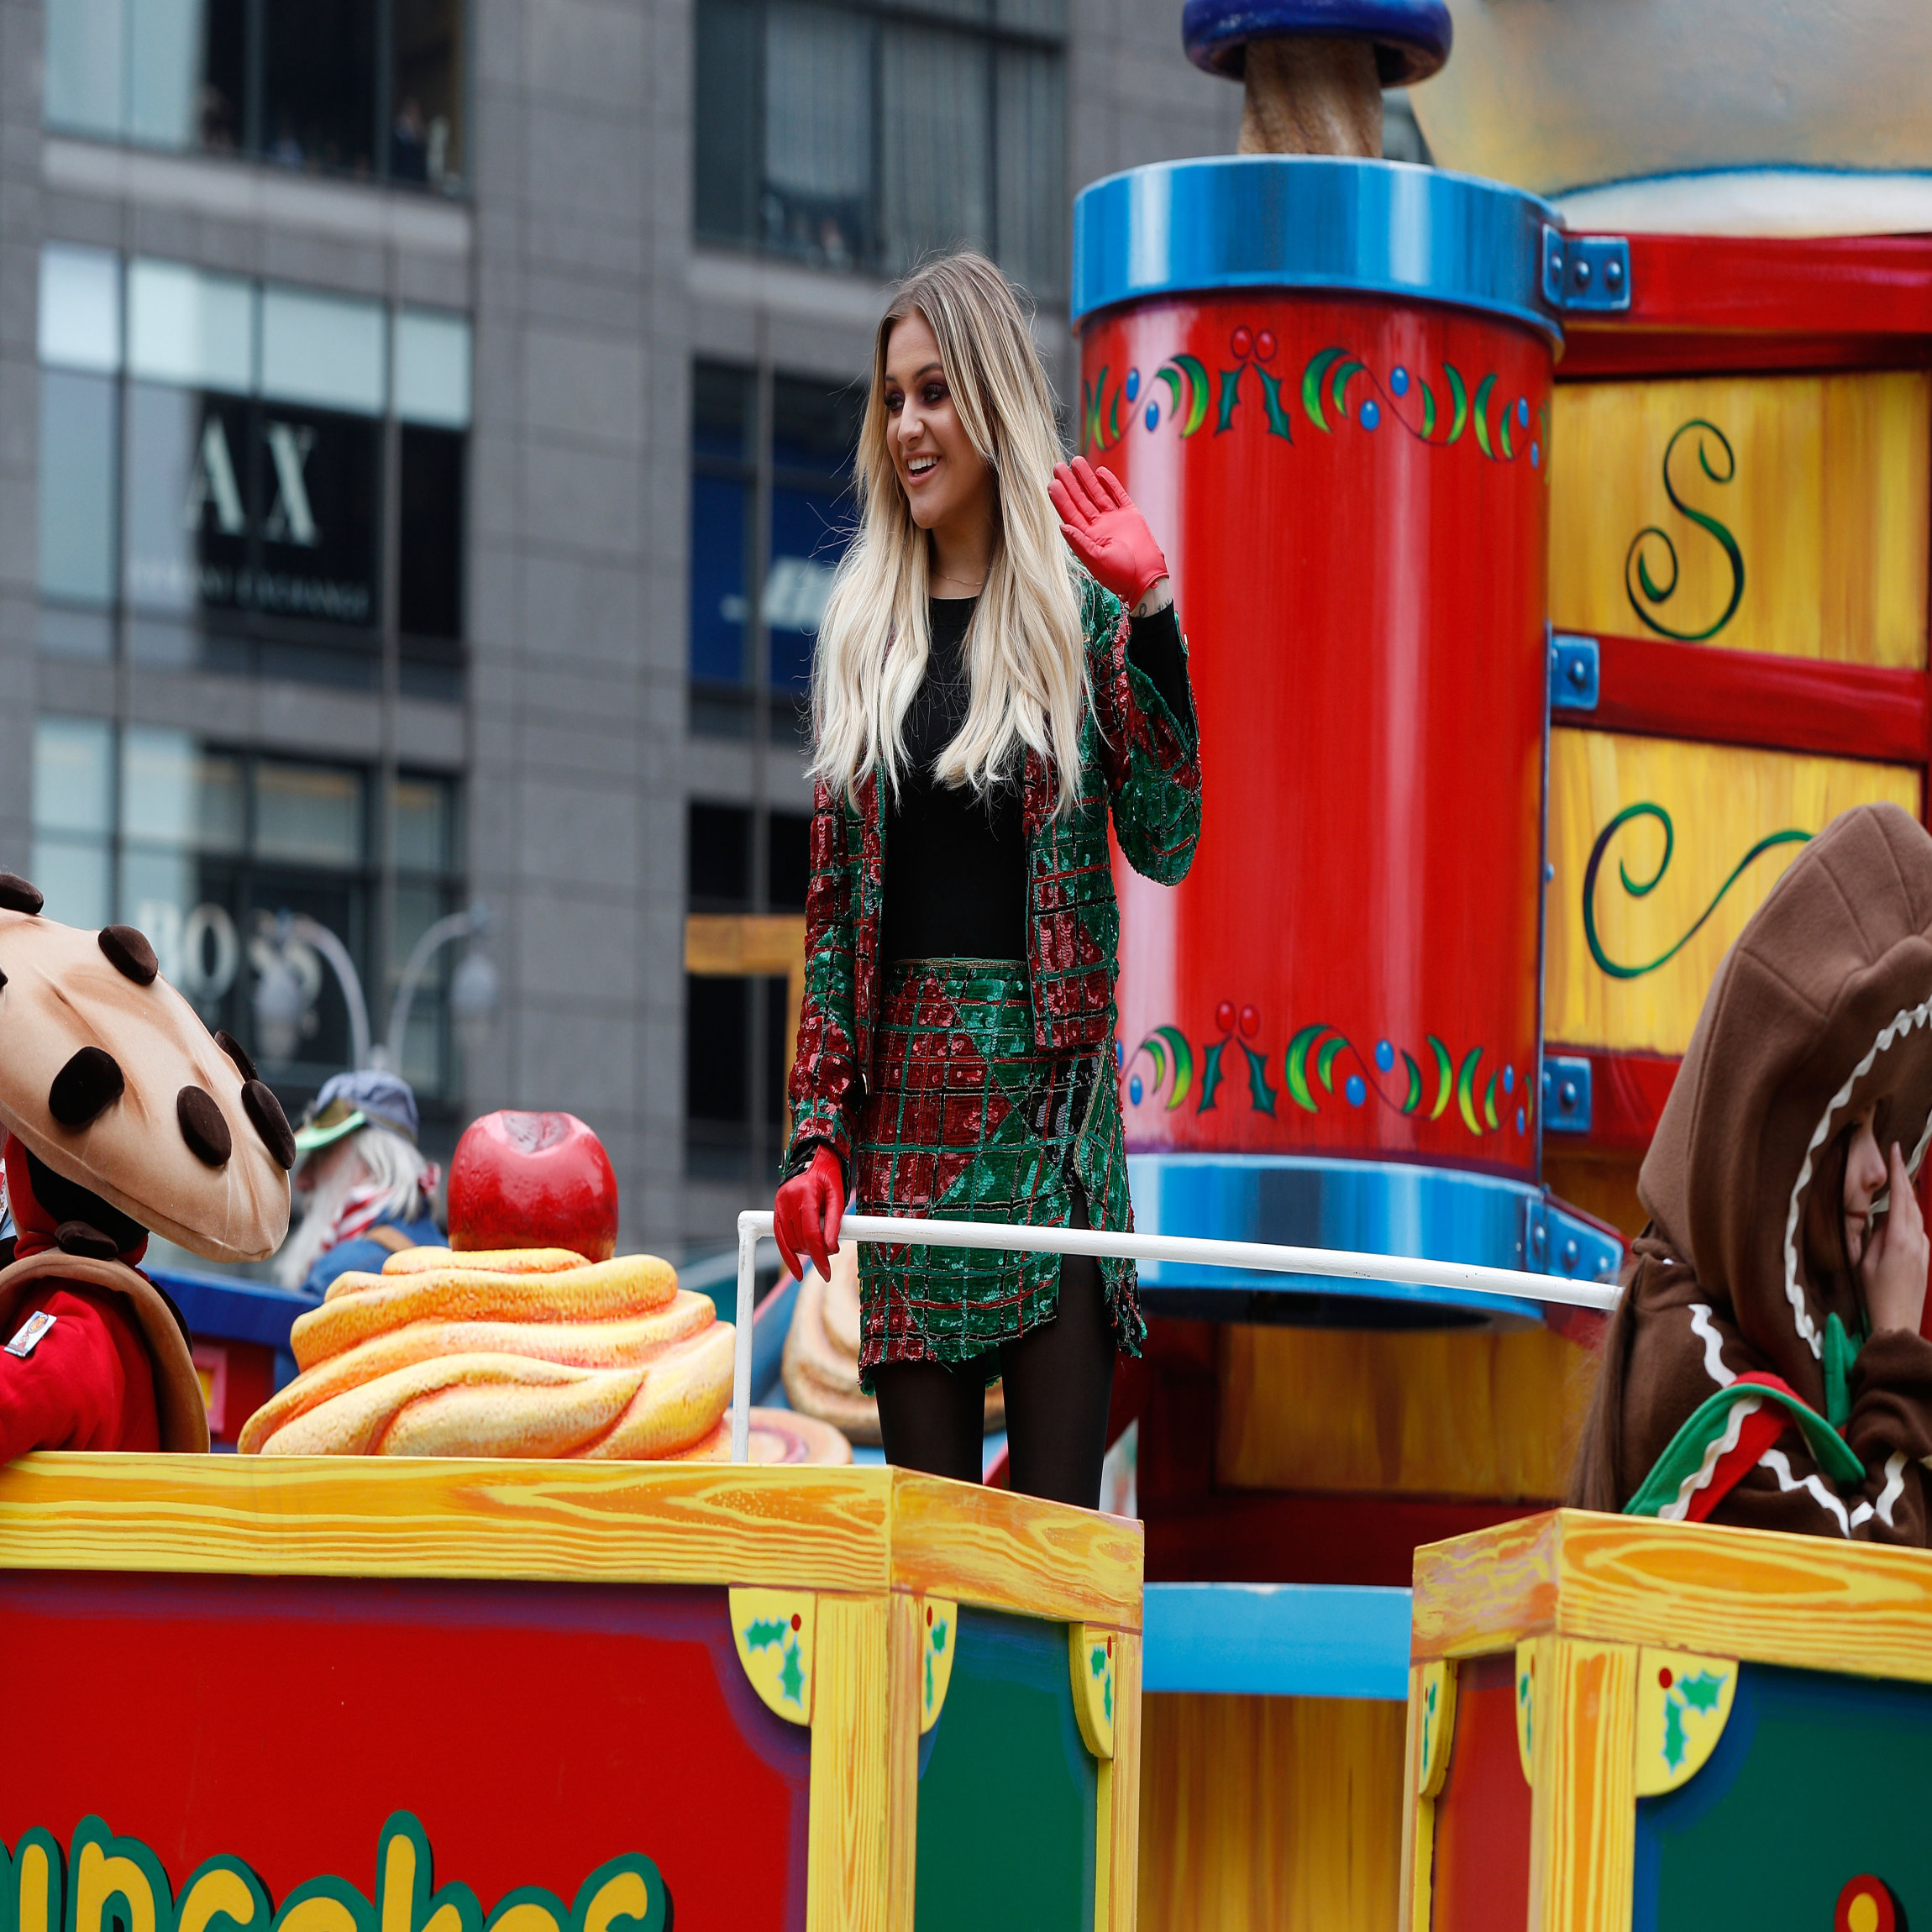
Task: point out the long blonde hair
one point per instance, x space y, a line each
1024 652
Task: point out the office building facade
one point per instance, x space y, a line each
424 429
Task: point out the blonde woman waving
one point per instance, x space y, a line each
983 704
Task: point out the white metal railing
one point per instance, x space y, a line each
1260 1256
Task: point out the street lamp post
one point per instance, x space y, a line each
472 991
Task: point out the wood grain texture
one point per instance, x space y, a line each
1417 1858
1721 801
1270 1814
1827 506
1584 1797
905 1705
855 1800
1863 1609
1448 1414
993 1548
1122 1850
866 1530
1484 1592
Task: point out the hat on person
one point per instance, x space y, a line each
366 1098
108 1076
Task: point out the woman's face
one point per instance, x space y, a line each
1865 1172
945 478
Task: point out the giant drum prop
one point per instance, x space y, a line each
1327 383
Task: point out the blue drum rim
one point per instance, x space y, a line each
1412 37
1312 222
1375 1207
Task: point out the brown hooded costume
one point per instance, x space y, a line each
1735 1386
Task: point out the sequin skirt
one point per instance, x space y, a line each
966 1119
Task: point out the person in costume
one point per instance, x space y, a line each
364 1186
122 1114
983 704
1765 1365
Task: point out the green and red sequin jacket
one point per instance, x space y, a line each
1137 761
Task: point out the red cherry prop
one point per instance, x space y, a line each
533 1180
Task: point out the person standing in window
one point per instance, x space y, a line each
982 703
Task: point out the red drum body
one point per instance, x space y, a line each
1330 397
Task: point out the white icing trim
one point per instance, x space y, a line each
1774 1460
1902 1023
1678 1507
1713 1345
1894 1486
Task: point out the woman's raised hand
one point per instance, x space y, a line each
1104 530
1894 1262
806 1214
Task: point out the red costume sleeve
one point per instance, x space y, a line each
88 1384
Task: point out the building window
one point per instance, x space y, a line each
746 657
862 135
202 846
735 1044
373 89
213 459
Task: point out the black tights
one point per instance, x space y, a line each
1058 1379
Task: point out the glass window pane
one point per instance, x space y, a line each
77 487
787 854
718 1050
81 307
86 64
174 793
189 327
727 119
421 817
817 133
814 425
185 498
719 511
1030 156
318 84
429 589
319 476
73 874
808 537
717 858
723 402
933 160
164 71
974 10
73 775
321 348
309 813
426 137
224 75
433 368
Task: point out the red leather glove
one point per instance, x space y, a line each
1104 530
807 1212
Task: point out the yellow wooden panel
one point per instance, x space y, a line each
1707 808
988 1546
857 1805
1582 1802
1270 1814
1415 1866
852 1528
1444 1413
907 1641
1816 488
1811 1602
1122 1851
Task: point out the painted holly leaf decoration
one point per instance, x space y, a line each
760 1635
1097 1663
791 1676
1701 1691
1674 1733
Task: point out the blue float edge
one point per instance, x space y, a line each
1276 1639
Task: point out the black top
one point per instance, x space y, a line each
956 858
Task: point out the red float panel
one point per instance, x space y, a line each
1352 495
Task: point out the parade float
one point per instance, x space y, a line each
1551 545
